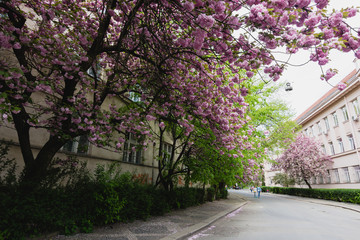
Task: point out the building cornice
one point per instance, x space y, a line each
351 80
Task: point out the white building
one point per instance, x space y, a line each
334 121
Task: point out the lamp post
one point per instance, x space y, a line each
288 87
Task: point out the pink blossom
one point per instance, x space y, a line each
249 74
303 3
150 118
219 7
17 46
189 6
321 3
341 86
205 21
329 74
357 53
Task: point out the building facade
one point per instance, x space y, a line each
334 120
142 162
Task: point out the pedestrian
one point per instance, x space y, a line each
258 189
251 188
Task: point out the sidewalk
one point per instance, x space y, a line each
348 206
177 224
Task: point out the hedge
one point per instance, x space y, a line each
339 195
80 206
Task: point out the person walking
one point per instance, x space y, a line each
258 189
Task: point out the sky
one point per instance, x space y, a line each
305 80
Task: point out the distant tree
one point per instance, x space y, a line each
281 136
304 159
283 179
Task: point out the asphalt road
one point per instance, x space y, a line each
283 218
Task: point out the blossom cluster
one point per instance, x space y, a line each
181 60
304 159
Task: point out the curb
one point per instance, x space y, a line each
321 201
201 225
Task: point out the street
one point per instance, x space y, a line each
280 217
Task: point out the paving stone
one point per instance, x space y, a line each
150 229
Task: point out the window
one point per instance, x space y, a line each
341 145
132 151
335 119
328 177
346 174
323 149
327 123
345 113
332 150
357 173
94 71
135 93
134 96
319 127
351 142
313 130
355 104
336 175
78 145
166 151
320 180
313 180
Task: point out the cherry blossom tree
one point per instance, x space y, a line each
68 66
304 159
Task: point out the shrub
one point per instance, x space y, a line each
83 201
340 195
223 193
210 194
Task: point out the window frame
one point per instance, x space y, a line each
166 151
346 174
355 104
129 155
357 172
76 145
319 127
328 177
323 148
335 119
351 142
341 145
345 113
332 149
327 125
337 176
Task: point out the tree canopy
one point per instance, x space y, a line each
304 159
68 66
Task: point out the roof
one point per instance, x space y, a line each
327 97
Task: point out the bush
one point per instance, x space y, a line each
85 201
186 197
210 194
223 193
340 195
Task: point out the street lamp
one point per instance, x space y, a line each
288 87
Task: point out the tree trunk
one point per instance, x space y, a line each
307 183
221 186
35 170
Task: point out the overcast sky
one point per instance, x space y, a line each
305 80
